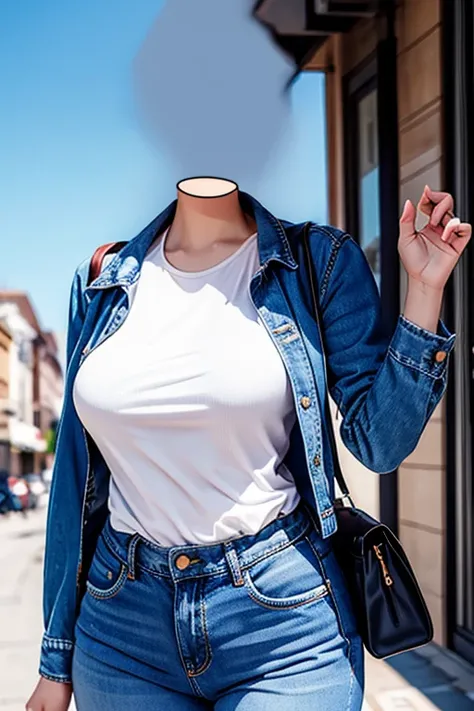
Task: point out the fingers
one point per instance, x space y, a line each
436 196
436 205
443 210
425 204
407 221
449 232
457 234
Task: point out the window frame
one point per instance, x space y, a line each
356 85
458 73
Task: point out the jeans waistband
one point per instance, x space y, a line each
196 560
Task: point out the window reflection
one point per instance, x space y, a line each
369 197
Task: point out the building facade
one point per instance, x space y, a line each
48 391
5 405
36 385
25 439
400 111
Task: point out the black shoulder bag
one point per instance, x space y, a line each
391 613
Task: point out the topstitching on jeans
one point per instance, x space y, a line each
245 561
246 557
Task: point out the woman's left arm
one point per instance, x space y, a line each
387 388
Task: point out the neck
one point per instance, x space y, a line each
208 212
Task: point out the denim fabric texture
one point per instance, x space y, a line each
253 623
386 385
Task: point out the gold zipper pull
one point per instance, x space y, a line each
385 571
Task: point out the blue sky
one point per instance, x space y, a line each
78 169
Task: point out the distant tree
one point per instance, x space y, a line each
51 438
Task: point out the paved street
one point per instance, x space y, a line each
21 557
425 681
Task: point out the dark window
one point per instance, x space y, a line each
368 181
458 71
371 182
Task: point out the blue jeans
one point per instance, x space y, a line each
257 623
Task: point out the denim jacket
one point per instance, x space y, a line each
385 386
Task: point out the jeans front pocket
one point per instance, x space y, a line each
107 573
287 578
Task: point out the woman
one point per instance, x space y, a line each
188 560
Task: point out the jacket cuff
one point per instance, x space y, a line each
421 349
56 659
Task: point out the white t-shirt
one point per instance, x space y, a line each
191 407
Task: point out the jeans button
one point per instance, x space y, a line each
182 562
305 402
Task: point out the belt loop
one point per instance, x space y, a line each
234 565
132 545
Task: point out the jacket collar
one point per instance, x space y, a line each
124 268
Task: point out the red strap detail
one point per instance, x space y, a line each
98 257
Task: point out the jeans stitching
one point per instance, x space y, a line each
234 566
193 686
206 663
272 551
224 569
275 604
110 592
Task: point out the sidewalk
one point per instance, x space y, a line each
21 561
425 680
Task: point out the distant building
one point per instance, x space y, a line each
49 392
25 439
5 405
36 383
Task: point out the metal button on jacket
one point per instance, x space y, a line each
440 356
317 460
305 402
182 562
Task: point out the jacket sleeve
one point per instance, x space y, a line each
76 309
57 648
385 386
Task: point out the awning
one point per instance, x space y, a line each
300 27
26 437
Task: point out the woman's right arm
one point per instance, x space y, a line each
50 695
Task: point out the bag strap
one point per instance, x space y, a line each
97 258
317 317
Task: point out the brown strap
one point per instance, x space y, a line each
98 257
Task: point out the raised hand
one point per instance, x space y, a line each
429 255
